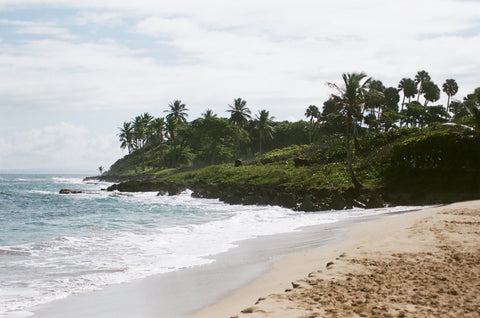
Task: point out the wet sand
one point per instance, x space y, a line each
179 293
420 264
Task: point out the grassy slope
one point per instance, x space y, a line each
406 166
276 168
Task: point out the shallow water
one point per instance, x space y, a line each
54 245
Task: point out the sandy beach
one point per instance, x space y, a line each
420 264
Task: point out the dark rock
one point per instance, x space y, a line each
232 197
338 202
286 199
300 162
307 205
137 186
70 191
375 201
174 189
113 187
252 199
161 193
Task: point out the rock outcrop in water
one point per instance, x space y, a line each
71 191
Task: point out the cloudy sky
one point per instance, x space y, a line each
72 71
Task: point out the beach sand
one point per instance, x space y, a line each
420 264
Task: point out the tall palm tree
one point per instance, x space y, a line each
126 136
264 126
352 97
450 87
146 118
156 130
313 113
420 79
171 128
178 111
409 88
431 92
239 112
138 132
239 116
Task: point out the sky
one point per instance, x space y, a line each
71 72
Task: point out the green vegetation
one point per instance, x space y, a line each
362 139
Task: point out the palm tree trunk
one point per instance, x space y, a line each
237 144
310 131
356 183
260 140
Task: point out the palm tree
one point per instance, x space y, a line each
431 92
420 79
352 97
472 105
450 87
314 114
209 114
239 116
171 128
178 111
138 132
146 118
264 125
240 113
126 136
156 130
409 88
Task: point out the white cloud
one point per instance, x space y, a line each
38 28
275 54
62 146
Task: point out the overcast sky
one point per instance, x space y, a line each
71 72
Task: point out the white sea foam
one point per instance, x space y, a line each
180 232
69 180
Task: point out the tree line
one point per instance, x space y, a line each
359 105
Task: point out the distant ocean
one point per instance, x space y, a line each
54 245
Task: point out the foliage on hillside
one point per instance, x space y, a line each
360 138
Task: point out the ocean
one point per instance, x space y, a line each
54 245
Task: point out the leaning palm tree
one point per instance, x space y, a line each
239 116
126 136
450 87
352 97
264 125
178 111
420 79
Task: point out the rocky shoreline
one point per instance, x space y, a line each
298 199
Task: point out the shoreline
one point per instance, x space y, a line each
373 272
199 286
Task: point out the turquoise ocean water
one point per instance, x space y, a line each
54 245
